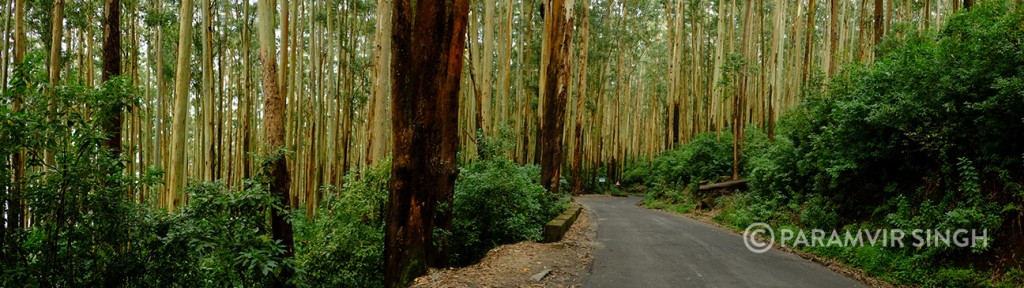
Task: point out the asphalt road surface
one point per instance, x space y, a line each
652 248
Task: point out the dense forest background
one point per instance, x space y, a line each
115 111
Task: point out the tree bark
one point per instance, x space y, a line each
833 37
809 45
15 216
274 126
375 144
577 154
111 69
558 42
879 21
208 149
428 42
181 83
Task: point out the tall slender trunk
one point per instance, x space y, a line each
112 68
207 124
486 65
809 45
158 134
577 154
375 144
56 34
274 132
428 39
879 21
184 73
15 213
833 37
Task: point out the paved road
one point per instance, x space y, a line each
650 248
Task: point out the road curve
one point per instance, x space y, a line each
652 248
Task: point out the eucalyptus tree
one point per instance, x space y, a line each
428 43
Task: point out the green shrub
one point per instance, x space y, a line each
706 157
497 202
344 247
221 238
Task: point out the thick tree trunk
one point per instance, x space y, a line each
558 42
112 68
428 41
274 129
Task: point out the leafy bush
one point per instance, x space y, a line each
706 157
221 238
927 136
344 247
497 202
80 202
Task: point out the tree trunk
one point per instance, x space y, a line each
181 83
56 34
15 220
577 155
558 42
375 144
879 21
274 126
809 45
111 68
207 124
486 64
833 37
428 42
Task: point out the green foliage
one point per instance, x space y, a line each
80 200
497 202
221 238
927 137
344 247
706 157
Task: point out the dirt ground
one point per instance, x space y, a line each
514 265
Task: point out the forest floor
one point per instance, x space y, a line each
517 265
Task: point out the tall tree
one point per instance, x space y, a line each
558 42
56 34
14 216
274 130
56 31
428 42
833 37
879 21
207 148
809 41
486 64
112 68
181 82
375 145
581 93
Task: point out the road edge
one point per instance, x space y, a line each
850 272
